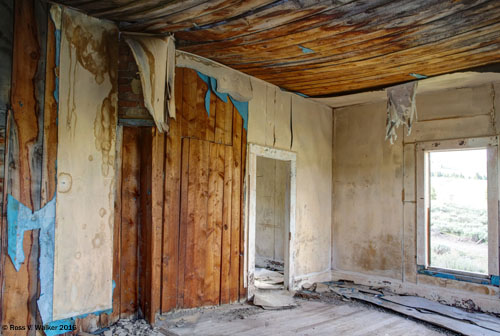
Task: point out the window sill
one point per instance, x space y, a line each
459 276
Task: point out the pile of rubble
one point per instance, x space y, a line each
126 327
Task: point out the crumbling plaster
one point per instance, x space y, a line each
374 194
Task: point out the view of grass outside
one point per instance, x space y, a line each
459 210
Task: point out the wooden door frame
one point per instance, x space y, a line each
254 151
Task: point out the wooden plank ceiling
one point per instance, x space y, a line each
321 47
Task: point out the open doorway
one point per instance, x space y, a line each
271 224
272 212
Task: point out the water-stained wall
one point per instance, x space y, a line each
374 193
85 166
286 121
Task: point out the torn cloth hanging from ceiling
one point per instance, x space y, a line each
155 58
401 108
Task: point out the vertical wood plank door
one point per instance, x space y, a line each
204 173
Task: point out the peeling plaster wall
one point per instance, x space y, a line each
286 121
374 194
272 209
87 121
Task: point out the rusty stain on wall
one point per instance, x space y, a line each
86 165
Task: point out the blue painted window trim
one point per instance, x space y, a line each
439 273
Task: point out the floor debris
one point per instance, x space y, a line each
451 318
308 318
126 327
322 288
268 279
273 299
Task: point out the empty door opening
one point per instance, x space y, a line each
272 205
271 220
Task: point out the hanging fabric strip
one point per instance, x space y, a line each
155 58
401 108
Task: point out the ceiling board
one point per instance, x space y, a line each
321 48
441 83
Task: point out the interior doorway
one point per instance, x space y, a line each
271 220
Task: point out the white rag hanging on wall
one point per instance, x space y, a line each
155 58
401 108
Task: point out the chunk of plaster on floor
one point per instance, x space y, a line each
274 299
322 288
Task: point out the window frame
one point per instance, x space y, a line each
423 196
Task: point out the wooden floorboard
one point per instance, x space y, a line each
309 318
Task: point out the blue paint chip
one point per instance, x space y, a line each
241 107
306 50
20 218
418 76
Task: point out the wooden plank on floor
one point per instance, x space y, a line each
184 223
172 205
235 208
226 226
130 190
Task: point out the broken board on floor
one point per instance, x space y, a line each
451 318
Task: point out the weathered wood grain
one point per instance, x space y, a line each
202 239
235 208
226 227
184 222
50 120
214 223
358 39
156 235
242 289
117 227
189 103
171 223
20 289
6 27
144 297
130 191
